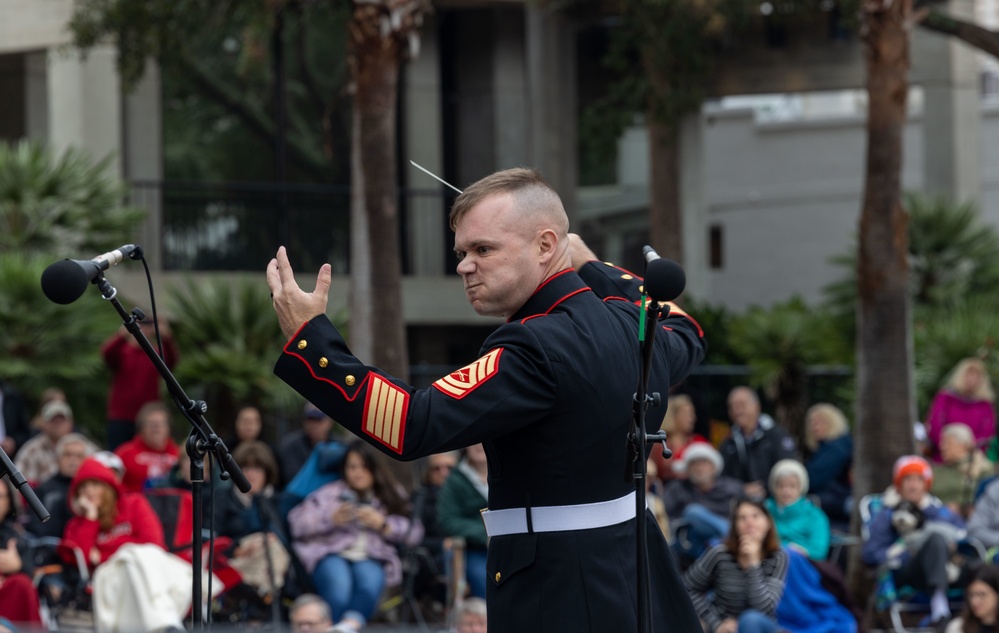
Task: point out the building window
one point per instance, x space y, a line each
715 245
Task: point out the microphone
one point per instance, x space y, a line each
664 278
65 281
650 254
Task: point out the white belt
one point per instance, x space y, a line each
583 516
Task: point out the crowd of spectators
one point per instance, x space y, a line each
326 528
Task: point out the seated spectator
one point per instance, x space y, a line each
309 613
70 450
965 397
16 427
459 513
799 523
703 499
653 500
755 445
470 616
737 585
249 427
152 452
981 604
18 596
245 513
345 534
913 534
807 606
106 515
48 395
679 426
259 550
827 437
984 522
37 459
436 472
295 448
961 468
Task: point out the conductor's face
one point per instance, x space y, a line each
499 257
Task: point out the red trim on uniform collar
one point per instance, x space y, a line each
558 274
555 304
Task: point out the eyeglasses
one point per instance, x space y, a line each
442 467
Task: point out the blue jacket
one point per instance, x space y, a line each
802 524
829 474
877 549
806 607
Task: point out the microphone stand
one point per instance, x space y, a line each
201 441
7 468
264 515
635 466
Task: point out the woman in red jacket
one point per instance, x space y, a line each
107 517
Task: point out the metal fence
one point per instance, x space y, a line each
236 226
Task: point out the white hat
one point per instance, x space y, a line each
699 450
789 467
56 408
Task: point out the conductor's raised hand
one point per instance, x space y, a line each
579 252
293 305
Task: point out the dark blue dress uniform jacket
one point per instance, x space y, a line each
551 400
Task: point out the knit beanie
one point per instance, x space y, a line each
912 465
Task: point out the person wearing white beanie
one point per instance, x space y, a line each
799 522
703 500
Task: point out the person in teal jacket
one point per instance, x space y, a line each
800 523
459 513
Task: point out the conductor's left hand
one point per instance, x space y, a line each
293 305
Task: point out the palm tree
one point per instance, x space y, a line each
44 345
779 345
52 207
948 334
66 204
229 332
953 253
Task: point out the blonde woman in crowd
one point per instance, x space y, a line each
830 460
965 397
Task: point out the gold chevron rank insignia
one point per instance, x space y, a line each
385 412
459 384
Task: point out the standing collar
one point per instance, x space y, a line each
550 293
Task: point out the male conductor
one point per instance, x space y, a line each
550 398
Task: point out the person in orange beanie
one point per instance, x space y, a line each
913 535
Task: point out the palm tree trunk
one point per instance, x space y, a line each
885 409
377 332
665 221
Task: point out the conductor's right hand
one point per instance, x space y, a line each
293 305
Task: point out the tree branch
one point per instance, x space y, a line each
254 118
968 32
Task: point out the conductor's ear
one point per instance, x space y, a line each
547 244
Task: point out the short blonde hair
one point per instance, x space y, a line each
669 420
530 191
956 378
838 426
